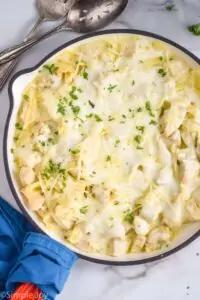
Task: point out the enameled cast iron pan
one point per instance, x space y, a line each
16 86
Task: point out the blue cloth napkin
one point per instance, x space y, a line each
28 256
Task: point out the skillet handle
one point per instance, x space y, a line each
27 291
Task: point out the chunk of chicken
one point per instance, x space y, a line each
173 118
26 175
120 247
157 238
193 210
196 196
28 157
152 206
174 213
34 196
62 217
138 244
141 226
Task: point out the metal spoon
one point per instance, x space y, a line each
85 16
48 10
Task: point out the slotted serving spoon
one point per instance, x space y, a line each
48 10
85 16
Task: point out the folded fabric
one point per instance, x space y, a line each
28 256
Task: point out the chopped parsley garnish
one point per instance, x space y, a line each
51 141
117 142
171 7
110 118
76 109
52 168
51 68
91 104
12 150
72 93
152 122
161 58
85 74
108 158
138 138
162 72
124 116
139 109
97 118
111 88
116 202
61 109
42 143
140 128
194 29
89 116
140 148
79 90
133 82
74 151
16 138
18 126
25 97
129 216
116 70
149 108
84 210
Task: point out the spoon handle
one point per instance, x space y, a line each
7 68
12 52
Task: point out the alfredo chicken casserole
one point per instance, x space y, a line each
107 145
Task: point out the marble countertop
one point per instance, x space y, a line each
176 277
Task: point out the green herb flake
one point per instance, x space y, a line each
149 108
85 74
139 148
97 118
76 110
26 97
51 68
12 150
171 7
138 138
139 109
108 158
152 122
91 104
89 116
129 216
117 142
194 29
133 82
140 128
52 168
16 138
18 126
79 90
74 151
61 109
72 93
111 88
84 210
110 118
161 58
51 141
162 72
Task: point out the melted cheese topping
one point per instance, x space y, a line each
107 144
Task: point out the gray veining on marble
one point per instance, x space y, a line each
174 278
